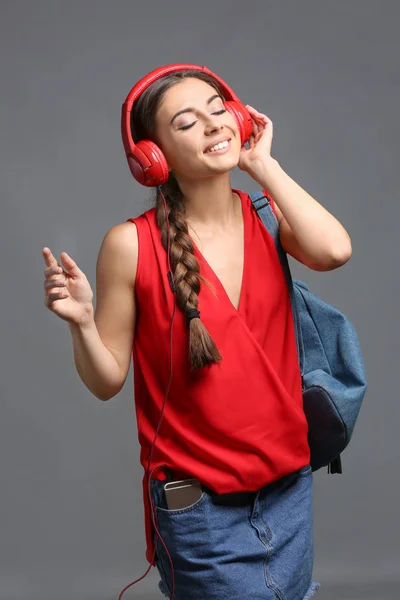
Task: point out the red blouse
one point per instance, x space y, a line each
235 426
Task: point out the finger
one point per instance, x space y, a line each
259 117
259 128
258 113
255 129
51 298
55 283
48 256
53 270
254 112
265 128
252 115
70 265
256 126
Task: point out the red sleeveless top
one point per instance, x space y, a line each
235 426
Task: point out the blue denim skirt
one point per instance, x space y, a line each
244 545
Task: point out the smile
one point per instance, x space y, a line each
221 148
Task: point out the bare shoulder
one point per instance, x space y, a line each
119 250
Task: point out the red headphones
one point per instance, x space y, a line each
145 159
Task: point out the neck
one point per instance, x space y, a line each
210 203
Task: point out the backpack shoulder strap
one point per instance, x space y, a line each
262 205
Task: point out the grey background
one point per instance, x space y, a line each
327 74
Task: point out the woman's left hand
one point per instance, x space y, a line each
253 158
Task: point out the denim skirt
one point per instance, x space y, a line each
244 545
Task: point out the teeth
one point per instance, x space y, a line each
219 146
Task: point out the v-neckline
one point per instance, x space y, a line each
206 263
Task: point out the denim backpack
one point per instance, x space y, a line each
331 364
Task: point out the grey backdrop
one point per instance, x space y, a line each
327 74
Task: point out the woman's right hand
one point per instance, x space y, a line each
68 294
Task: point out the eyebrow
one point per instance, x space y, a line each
191 109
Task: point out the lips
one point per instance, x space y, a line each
217 141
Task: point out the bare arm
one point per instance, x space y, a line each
103 343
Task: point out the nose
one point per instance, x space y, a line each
213 124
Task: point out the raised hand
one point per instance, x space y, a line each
253 158
67 291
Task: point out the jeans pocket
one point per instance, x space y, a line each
160 503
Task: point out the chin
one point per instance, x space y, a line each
230 158
227 164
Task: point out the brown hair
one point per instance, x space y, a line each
184 265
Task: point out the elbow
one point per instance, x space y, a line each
101 396
335 261
105 395
332 261
341 256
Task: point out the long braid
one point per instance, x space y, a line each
186 270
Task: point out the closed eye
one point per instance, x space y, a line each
191 125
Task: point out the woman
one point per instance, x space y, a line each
233 418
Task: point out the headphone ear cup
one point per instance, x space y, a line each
148 164
242 118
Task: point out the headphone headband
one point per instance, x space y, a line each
148 79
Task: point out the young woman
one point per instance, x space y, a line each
233 419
